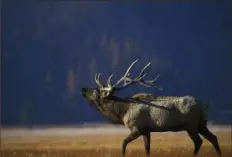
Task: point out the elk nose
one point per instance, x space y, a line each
83 89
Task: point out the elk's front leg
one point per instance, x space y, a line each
147 143
132 136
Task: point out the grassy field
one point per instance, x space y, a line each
103 144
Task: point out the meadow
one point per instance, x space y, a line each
102 142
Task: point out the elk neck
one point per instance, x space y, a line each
114 108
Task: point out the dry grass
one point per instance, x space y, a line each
162 145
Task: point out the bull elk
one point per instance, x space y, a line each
143 114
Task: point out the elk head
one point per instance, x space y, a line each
93 95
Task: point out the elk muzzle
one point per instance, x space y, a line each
83 91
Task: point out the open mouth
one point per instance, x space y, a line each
83 91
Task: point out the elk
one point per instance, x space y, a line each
145 113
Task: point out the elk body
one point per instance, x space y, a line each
146 113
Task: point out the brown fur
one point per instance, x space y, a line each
151 97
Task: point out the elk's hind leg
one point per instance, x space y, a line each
196 140
132 136
204 131
147 142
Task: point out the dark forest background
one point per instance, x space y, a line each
52 49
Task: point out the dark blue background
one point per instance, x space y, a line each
52 49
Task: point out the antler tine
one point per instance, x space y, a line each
142 71
97 77
109 84
127 73
139 79
151 83
140 76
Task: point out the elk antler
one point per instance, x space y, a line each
127 80
97 77
139 79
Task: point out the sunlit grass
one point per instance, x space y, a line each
162 145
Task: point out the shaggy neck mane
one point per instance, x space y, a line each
114 108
